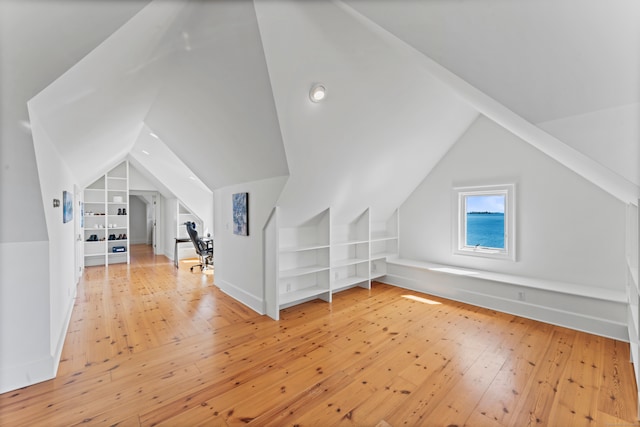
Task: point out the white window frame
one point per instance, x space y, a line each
460 221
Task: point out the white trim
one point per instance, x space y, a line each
253 302
63 333
574 306
37 371
460 246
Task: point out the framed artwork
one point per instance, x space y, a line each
241 214
67 207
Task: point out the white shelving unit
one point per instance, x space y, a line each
633 288
106 208
303 262
350 254
323 256
384 244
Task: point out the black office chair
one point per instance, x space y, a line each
203 249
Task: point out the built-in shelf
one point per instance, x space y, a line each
348 282
311 247
102 201
324 255
288 298
383 255
302 271
382 238
349 242
348 261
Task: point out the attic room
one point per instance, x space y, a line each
425 102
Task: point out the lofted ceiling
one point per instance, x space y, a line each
215 105
224 83
544 60
382 127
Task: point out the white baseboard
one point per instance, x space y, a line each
570 311
16 377
253 302
63 333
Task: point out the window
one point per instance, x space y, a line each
485 221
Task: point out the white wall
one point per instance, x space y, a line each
239 260
25 356
37 307
568 230
55 177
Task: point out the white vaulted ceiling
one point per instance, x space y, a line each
215 105
224 84
544 59
172 68
384 123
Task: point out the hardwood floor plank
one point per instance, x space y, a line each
292 411
540 390
149 344
577 402
616 392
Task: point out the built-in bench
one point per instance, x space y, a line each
528 282
588 308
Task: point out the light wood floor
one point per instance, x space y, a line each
151 345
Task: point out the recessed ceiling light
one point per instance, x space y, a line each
192 178
317 93
145 152
154 135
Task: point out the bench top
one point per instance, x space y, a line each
613 295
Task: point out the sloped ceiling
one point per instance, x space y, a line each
38 42
570 67
544 60
160 165
224 85
215 109
172 68
382 127
95 110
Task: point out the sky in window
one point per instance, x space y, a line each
494 203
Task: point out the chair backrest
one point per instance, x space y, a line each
198 244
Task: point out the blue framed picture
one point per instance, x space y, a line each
241 214
67 207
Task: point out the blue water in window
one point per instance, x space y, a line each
485 229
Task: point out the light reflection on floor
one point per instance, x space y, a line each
421 299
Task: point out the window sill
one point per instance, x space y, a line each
485 253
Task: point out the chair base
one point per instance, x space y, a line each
204 263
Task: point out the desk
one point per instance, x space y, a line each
175 249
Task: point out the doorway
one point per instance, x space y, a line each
145 219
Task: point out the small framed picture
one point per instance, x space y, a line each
67 207
241 214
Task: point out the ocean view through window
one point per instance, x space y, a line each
486 221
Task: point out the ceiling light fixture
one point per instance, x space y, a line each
317 93
154 135
145 152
